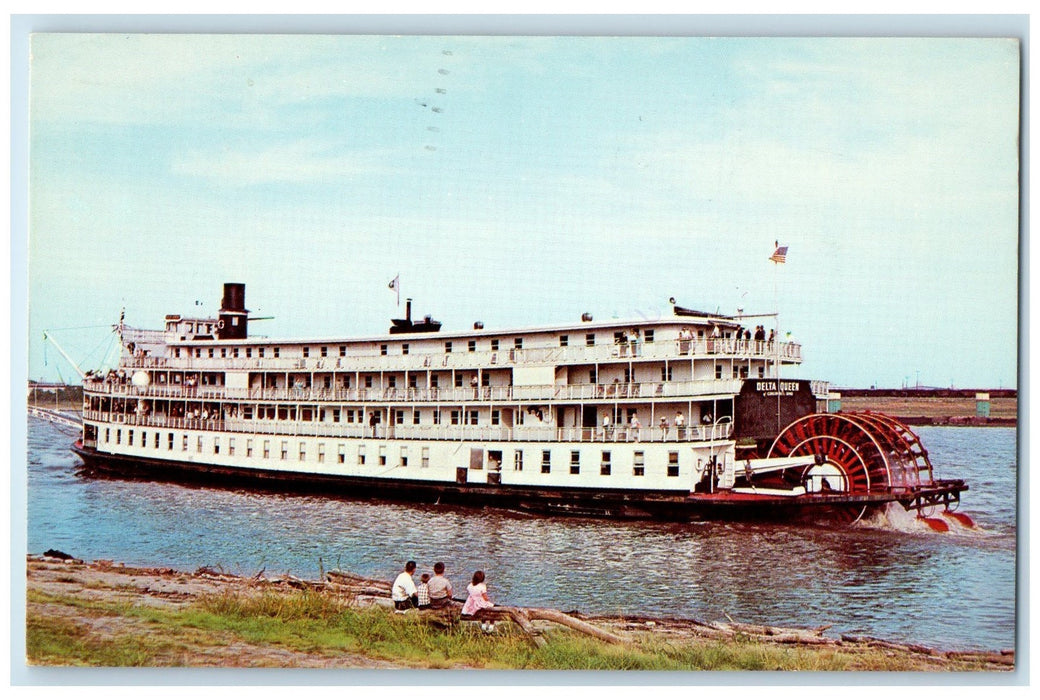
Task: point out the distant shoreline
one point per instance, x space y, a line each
945 407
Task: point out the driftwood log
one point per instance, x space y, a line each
367 589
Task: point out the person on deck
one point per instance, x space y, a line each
404 592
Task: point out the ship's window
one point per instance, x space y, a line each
249 448
324 351
130 437
210 352
361 455
383 349
382 455
108 435
305 414
575 461
666 373
447 346
637 464
648 335
590 339
144 439
404 348
368 381
404 456
342 350
718 371
434 381
673 464
458 381
736 372
593 376
415 418
285 449
335 416
454 417
546 454
198 445
184 443
303 451
604 465
472 345
350 415
327 382
234 352
518 343
341 453
398 417
563 341
198 352
413 381
495 418
346 381
761 372
216 446
306 351
169 443
260 351
628 375
321 451
518 461
157 441
494 344
700 333
473 415
426 458
176 352
391 381
249 352
209 327
223 352
267 449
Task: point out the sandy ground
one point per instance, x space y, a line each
169 588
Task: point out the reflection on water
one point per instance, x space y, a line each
907 583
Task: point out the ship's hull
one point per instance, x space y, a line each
580 502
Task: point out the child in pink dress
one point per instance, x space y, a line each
478 597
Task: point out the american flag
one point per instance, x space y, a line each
780 255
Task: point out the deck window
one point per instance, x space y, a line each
368 381
306 351
198 445
231 446
321 451
303 451
415 417
546 464
285 449
249 447
223 352
604 464
436 416
518 461
144 439
324 351
184 443
494 344
169 443
575 462
454 417
434 381
426 458
518 343
563 341
342 350
718 371
404 456
361 455
335 415
404 348
399 417
447 346
648 335
638 467
130 438
666 373
157 441
341 453
382 455
673 464
590 339
108 435
216 446
473 417
260 352
234 352
267 449
495 418
472 346
249 352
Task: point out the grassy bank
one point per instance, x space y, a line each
84 615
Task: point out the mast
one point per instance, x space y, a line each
82 374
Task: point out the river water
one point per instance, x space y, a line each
891 578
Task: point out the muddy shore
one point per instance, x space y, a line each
51 581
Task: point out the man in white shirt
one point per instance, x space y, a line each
404 592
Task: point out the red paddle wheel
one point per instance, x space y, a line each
855 453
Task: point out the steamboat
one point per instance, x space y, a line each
683 417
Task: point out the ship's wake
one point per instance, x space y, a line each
894 518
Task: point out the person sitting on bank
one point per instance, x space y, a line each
423 592
404 592
440 587
478 597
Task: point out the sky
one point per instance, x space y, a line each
525 180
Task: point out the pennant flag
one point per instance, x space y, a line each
395 284
780 255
